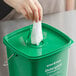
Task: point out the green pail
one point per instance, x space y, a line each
49 58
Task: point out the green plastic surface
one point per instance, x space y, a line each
50 58
20 42
53 65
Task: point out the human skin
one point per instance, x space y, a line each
31 9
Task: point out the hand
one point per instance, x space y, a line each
31 9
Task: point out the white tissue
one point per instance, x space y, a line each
36 35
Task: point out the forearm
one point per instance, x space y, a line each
70 5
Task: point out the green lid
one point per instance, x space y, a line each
20 42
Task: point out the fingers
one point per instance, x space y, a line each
36 15
35 11
31 9
40 10
29 12
24 12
